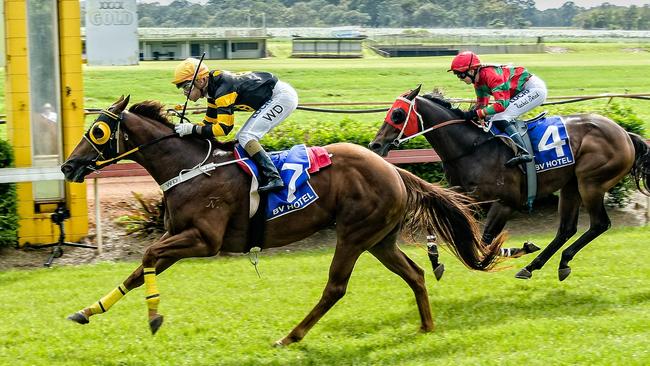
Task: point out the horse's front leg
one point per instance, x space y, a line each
156 259
496 220
102 305
163 254
570 202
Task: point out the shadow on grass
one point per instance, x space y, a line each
457 322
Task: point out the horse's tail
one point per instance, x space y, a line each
641 169
449 214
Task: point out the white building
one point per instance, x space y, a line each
217 43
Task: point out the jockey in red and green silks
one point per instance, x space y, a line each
499 82
513 89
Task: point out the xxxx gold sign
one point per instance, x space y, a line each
111 13
112 32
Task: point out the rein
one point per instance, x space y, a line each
116 121
102 163
399 140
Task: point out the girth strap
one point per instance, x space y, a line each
531 172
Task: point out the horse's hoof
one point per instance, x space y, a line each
530 247
563 273
439 271
427 329
524 274
79 317
155 324
278 343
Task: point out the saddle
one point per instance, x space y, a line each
295 166
547 139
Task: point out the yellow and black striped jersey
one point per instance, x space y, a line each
228 92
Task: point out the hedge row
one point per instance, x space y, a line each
8 207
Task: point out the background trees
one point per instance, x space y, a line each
390 13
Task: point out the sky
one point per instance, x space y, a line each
541 4
547 4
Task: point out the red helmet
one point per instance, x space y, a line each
465 61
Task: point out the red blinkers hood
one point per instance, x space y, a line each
412 124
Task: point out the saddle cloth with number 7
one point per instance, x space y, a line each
295 166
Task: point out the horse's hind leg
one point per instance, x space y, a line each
598 223
345 256
569 207
432 252
387 252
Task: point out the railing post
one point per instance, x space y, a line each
98 219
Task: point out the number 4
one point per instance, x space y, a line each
551 140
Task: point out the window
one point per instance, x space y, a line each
244 46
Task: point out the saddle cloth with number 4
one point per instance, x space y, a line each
295 166
550 141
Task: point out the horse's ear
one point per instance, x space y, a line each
121 104
414 93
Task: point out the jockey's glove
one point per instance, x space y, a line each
183 129
470 115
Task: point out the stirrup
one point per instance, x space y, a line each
272 185
523 158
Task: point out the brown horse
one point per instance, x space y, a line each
369 200
474 161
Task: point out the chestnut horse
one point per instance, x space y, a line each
369 199
474 161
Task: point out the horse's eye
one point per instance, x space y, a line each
398 115
100 133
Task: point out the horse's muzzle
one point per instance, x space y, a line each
379 148
75 170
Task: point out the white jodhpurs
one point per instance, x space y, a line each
533 95
283 101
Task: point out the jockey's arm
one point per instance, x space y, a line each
219 117
500 92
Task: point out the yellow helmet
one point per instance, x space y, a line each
185 70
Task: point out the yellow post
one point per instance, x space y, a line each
72 109
36 227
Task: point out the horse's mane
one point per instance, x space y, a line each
152 109
441 101
155 110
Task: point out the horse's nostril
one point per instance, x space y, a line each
66 169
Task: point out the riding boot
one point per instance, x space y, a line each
522 156
269 176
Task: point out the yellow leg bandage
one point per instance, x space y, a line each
109 300
151 289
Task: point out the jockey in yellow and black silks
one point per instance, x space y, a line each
271 100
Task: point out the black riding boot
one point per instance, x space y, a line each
522 156
269 177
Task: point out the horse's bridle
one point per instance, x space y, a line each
103 136
399 140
